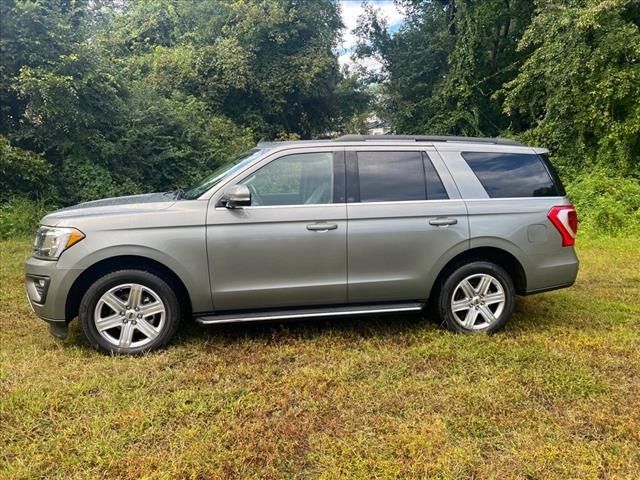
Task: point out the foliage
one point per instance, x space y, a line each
19 216
445 63
122 97
607 204
22 172
268 65
111 97
560 74
34 34
578 92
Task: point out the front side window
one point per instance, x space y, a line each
391 176
508 175
301 179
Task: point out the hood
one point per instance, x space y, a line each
127 200
127 205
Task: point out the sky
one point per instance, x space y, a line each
351 10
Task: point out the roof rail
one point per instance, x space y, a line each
426 138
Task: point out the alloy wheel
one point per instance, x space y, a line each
130 315
478 301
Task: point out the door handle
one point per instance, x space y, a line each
442 222
322 227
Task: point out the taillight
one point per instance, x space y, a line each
565 219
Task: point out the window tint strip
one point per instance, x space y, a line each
339 177
353 188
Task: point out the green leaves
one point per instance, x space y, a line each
125 97
21 172
578 92
560 74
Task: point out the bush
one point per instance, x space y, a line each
83 180
22 172
20 216
606 204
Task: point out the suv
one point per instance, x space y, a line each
356 225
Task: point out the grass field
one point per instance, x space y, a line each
555 395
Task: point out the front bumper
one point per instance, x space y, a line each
47 287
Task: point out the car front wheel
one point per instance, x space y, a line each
129 312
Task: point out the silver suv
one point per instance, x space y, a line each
357 225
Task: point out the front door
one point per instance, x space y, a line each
288 248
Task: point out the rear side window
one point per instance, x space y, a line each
391 176
505 175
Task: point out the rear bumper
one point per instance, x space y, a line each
552 271
548 289
47 287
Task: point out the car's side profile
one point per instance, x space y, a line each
310 229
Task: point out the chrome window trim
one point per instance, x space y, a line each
555 198
255 207
404 202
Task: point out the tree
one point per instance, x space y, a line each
268 65
121 97
33 34
578 92
445 63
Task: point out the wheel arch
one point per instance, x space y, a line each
496 255
120 262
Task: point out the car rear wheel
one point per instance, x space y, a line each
129 312
476 297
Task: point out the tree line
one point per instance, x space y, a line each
564 74
109 97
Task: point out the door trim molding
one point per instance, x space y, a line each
269 315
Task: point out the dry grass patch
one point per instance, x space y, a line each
555 395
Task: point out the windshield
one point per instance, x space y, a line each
223 171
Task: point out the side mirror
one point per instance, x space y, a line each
236 196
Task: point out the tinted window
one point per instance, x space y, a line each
303 179
391 176
554 174
435 188
512 174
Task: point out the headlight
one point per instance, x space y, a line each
50 242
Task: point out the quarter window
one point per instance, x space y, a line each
505 175
302 179
435 188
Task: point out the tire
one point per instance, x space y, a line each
110 321
477 297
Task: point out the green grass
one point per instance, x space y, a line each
555 395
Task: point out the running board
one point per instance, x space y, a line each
307 313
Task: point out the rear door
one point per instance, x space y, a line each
288 248
404 215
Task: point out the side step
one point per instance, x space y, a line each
308 313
